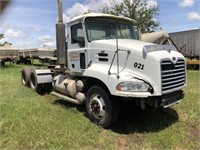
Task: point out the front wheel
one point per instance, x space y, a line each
101 108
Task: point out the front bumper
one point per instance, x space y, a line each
165 101
133 94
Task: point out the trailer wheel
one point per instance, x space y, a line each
101 109
39 88
2 63
25 76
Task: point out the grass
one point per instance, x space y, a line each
31 121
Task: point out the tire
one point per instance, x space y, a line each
2 63
51 62
25 76
39 88
18 62
101 109
48 88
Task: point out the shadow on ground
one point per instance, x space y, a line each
134 120
67 105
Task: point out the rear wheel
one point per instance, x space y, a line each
25 76
39 88
101 109
2 63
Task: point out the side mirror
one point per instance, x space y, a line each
79 40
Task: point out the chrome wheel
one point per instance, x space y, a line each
102 109
97 106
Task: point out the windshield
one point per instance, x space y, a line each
109 28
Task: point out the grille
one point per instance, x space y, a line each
173 75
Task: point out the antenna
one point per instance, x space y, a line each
117 51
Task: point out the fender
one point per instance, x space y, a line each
100 72
43 76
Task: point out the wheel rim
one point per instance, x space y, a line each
97 106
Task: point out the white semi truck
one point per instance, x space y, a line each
102 60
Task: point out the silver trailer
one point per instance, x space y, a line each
44 54
188 42
27 56
8 54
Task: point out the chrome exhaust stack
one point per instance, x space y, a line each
60 39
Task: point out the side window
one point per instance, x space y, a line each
77 36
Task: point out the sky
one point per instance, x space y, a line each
31 23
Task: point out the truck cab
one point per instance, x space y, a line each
86 32
107 48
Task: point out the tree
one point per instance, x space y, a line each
1 37
138 10
6 43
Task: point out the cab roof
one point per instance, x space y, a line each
90 15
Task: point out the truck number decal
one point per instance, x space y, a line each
139 65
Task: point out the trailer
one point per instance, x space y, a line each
8 54
188 42
44 54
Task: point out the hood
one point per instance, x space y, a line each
137 48
123 44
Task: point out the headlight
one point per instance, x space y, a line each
132 86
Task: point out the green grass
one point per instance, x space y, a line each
31 121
